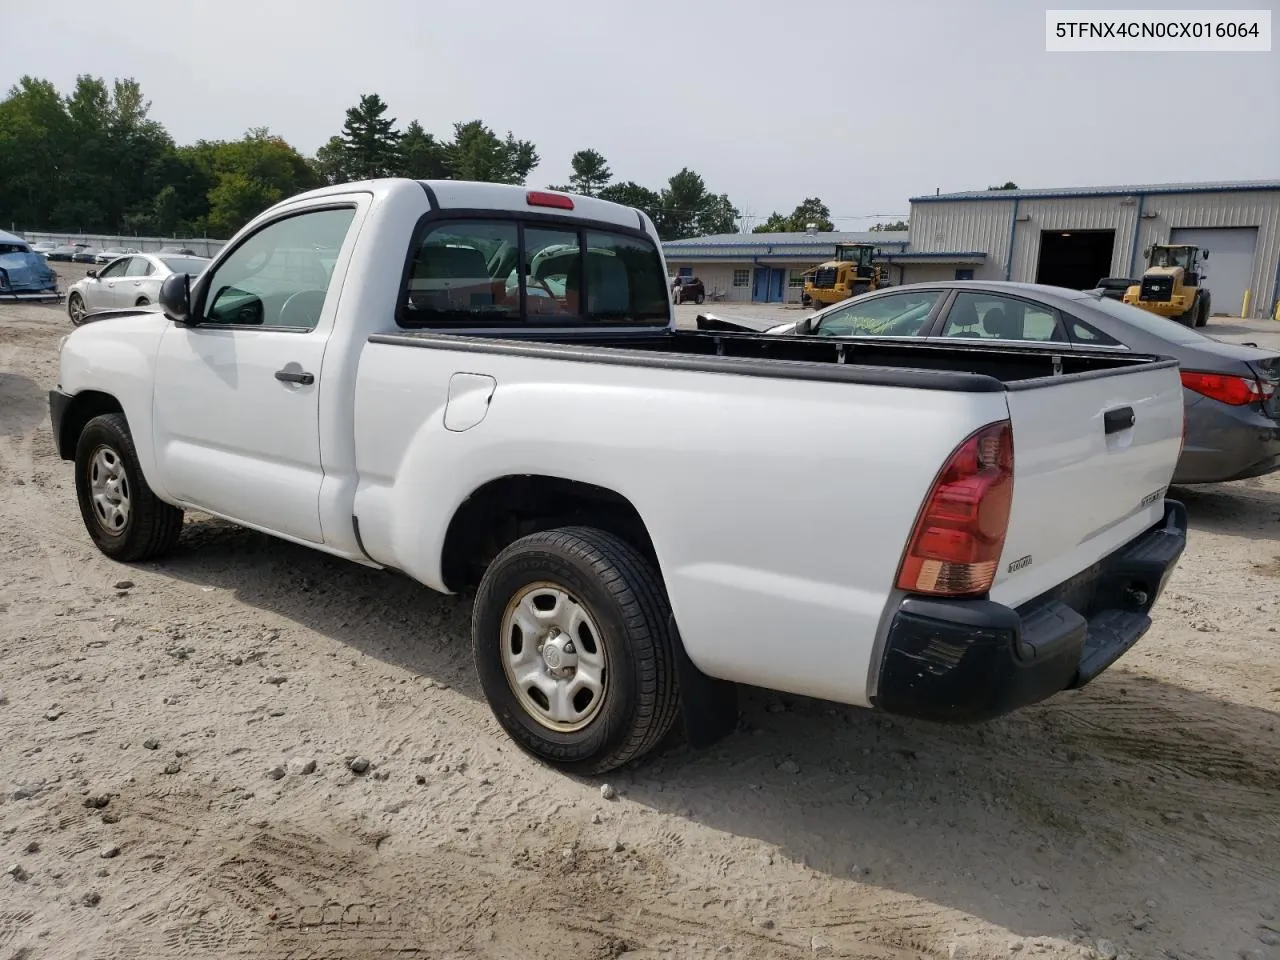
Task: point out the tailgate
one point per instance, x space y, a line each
1093 454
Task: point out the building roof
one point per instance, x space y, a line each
1222 186
747 246
828 239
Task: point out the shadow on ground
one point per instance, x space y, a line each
1127 799
22 405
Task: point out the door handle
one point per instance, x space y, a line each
294 376
1121 418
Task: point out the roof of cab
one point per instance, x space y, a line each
475 195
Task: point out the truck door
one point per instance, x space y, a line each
237 394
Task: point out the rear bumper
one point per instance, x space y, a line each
962 661
1227 443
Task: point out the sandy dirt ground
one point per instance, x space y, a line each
159 726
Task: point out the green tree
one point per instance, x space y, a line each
895 225
477 153
591 173
422 156
812 210
718 215
370 141
631 194
330 164
250 175
35 145
1008 185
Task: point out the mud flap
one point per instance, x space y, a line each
708 706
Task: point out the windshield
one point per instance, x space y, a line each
1146 321
858 255
191 265
1171 257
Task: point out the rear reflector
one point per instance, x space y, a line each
960 531
540 198
1235 391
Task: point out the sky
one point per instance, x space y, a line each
862 104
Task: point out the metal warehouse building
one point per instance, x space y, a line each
1070 237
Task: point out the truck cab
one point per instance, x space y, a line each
852 271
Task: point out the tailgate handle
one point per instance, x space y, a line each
1121 418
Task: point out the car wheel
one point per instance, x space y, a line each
125 519
701 298
859 289
75 309
573 643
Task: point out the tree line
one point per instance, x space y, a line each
94 161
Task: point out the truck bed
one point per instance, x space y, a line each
907 363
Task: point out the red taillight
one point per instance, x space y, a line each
960 531
1236 391
540 198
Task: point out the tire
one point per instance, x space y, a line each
701 298
142 302
1207 310
75 309
150 527
623 598
859 289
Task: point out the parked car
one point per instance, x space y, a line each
689 288
24 274
86 255
1113 288
1233 413
43 247
611 482
65 251
178 251
132 281
112 253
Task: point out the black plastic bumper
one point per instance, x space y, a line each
970 660
58 403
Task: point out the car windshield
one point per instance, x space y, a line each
191 265
1146 321
1171 257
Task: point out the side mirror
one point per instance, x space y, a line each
805 325
175 297
91 274
1204 255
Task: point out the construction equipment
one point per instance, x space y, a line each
851 272
1173 284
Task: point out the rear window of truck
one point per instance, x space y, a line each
480 272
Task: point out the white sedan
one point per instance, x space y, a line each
132 281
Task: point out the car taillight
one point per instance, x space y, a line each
960 531
1235 391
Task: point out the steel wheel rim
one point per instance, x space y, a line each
109 492
77 309
554 657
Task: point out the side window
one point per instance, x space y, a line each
895 315
279 277
139 267
113 270
982 316
464 271
1083 333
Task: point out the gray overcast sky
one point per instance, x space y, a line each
861 104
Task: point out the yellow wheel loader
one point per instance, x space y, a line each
849 274
1173 284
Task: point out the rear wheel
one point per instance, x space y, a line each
126 520
700 298
573 644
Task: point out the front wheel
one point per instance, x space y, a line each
125 519
574 646
75 309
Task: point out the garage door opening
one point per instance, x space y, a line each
1075 258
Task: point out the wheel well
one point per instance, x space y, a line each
504 510
83 408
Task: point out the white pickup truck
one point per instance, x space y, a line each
484 386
